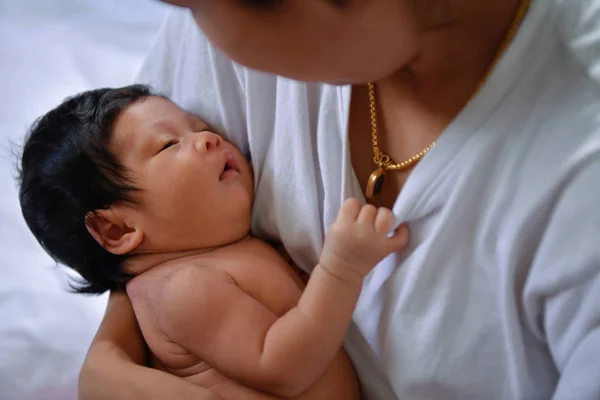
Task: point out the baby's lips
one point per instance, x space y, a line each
231 165
231 161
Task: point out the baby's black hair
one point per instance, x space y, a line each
66 171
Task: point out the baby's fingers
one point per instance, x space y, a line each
367 215
350 209
399 239
384 220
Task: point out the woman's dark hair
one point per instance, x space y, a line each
66 171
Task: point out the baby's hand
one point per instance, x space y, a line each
358 240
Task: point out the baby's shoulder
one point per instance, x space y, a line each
175 277
259 247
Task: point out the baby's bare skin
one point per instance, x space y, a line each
215 307
261 273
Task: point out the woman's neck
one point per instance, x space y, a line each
460 40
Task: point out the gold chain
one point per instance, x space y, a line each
384 161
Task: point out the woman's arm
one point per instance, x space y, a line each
113 367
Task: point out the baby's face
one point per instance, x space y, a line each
196 188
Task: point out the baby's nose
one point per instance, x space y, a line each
208 141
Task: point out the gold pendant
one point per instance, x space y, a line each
375 183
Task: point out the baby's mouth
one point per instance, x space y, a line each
231 167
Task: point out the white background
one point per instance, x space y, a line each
50 49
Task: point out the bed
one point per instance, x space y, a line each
50 49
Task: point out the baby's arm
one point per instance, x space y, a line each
215 320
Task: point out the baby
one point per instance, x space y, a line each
134 193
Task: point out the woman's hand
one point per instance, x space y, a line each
114 367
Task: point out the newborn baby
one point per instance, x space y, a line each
133 192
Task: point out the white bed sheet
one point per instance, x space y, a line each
50 49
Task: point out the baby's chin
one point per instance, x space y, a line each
228 233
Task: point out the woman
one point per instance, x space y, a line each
484 121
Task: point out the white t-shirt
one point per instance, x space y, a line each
498 296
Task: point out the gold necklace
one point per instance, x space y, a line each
383 161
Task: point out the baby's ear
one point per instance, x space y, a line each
109 229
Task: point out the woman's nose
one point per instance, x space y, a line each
207 141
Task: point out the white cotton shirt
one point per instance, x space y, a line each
498 295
